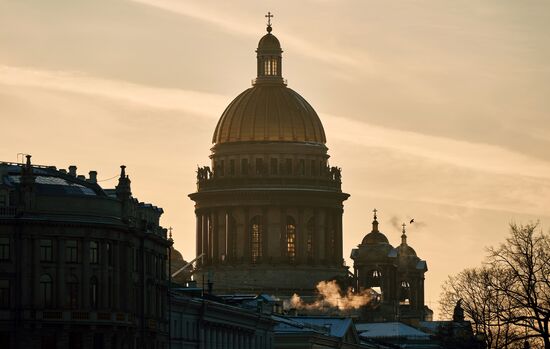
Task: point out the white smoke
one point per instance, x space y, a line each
331 296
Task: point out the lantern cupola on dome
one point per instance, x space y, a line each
269 56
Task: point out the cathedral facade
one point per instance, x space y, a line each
269 207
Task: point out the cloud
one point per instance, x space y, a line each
197 103
239 26
476 156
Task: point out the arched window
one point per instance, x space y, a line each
290 238
46 292
231 237
405 293
310 231
72 292
256 230
93 293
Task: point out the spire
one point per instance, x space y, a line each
404 235
375 221
269 58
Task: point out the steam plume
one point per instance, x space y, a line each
331 296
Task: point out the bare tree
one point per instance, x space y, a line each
480 303
508 298
523 263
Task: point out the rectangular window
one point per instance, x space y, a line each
46 250
94 252
232 167
4 249
302 167
244 167
71 251
274 166
3 200
135 255
313 168
4 294
222 168
288 167
259 166
109 251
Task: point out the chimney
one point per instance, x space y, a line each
72 170
81 177
93 177
62 170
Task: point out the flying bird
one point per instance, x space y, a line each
412 221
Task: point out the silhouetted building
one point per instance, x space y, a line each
206 323
269 209
396 275
80 266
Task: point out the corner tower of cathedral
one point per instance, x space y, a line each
269 208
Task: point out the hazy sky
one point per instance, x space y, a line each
437 110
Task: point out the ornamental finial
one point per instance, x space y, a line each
269 16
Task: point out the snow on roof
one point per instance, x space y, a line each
388 330
332 326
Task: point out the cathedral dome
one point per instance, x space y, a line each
269 112
406 251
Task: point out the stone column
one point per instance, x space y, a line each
265 236
301 238
198 234
339 243
215 237
246 240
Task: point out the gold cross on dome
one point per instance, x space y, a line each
170 229
269 16
404 225
375 210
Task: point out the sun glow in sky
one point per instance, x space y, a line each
435 110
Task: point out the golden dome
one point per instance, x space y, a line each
269 112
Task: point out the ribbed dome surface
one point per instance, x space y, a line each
375 237
270 112
269 42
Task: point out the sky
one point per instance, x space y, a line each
436 110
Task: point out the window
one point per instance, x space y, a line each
136 260
310 230
94 252
270 66
313 168
405 293
244 167
109 251
3 200
72 292
259 166
291 238
93 292
46 291
231 237
256 238
222 168
71 251
288 167
110 292
302 167
274 166
46 250
4 249
232 167
4 294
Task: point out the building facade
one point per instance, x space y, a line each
269 207
80 266
396 275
